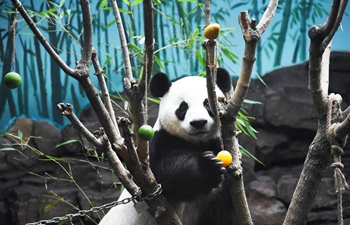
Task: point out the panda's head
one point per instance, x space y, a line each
184 109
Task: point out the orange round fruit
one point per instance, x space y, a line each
146 132
12 80
212 31
225 157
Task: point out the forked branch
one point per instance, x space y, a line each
251 33
328 130
320 36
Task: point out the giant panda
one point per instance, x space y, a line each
183 155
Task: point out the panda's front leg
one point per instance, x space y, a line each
187 176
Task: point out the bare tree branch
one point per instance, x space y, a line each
118 19
128 135
336 24
251 34
87 42
101 79
162 210
138 93
67 110
267 16
12 34
43 40
149 45
84 79
207 12
319 154
321 36
211 70
101 143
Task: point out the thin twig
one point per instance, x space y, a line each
267 16
124 44
103 144
124 175
211 70
43 41
12 34
336 24
102 81
67 111
139 105
207 12
162 211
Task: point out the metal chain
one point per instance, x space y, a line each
81 213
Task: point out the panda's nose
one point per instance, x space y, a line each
198 124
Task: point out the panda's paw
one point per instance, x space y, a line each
214 168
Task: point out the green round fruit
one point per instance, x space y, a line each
12 80
146 132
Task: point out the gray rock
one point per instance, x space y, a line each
285 188
265 208
46 137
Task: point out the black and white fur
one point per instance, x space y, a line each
182 155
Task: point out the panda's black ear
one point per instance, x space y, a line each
159 85
223 80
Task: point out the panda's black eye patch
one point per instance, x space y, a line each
207 107
181 111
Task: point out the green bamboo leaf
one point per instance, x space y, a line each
252 102
51 204
136 2
108 9
202 74
67 142
250 129
159 63
175 39
103 3
8 149
200 58
20 134
193 1
248 154
260 78
154 100
229 54
125 11
110 24
107 61
240 126
61 3
48 13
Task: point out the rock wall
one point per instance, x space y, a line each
287 121
45 180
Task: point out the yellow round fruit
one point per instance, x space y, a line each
146 132
212 31
225 157
12 80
